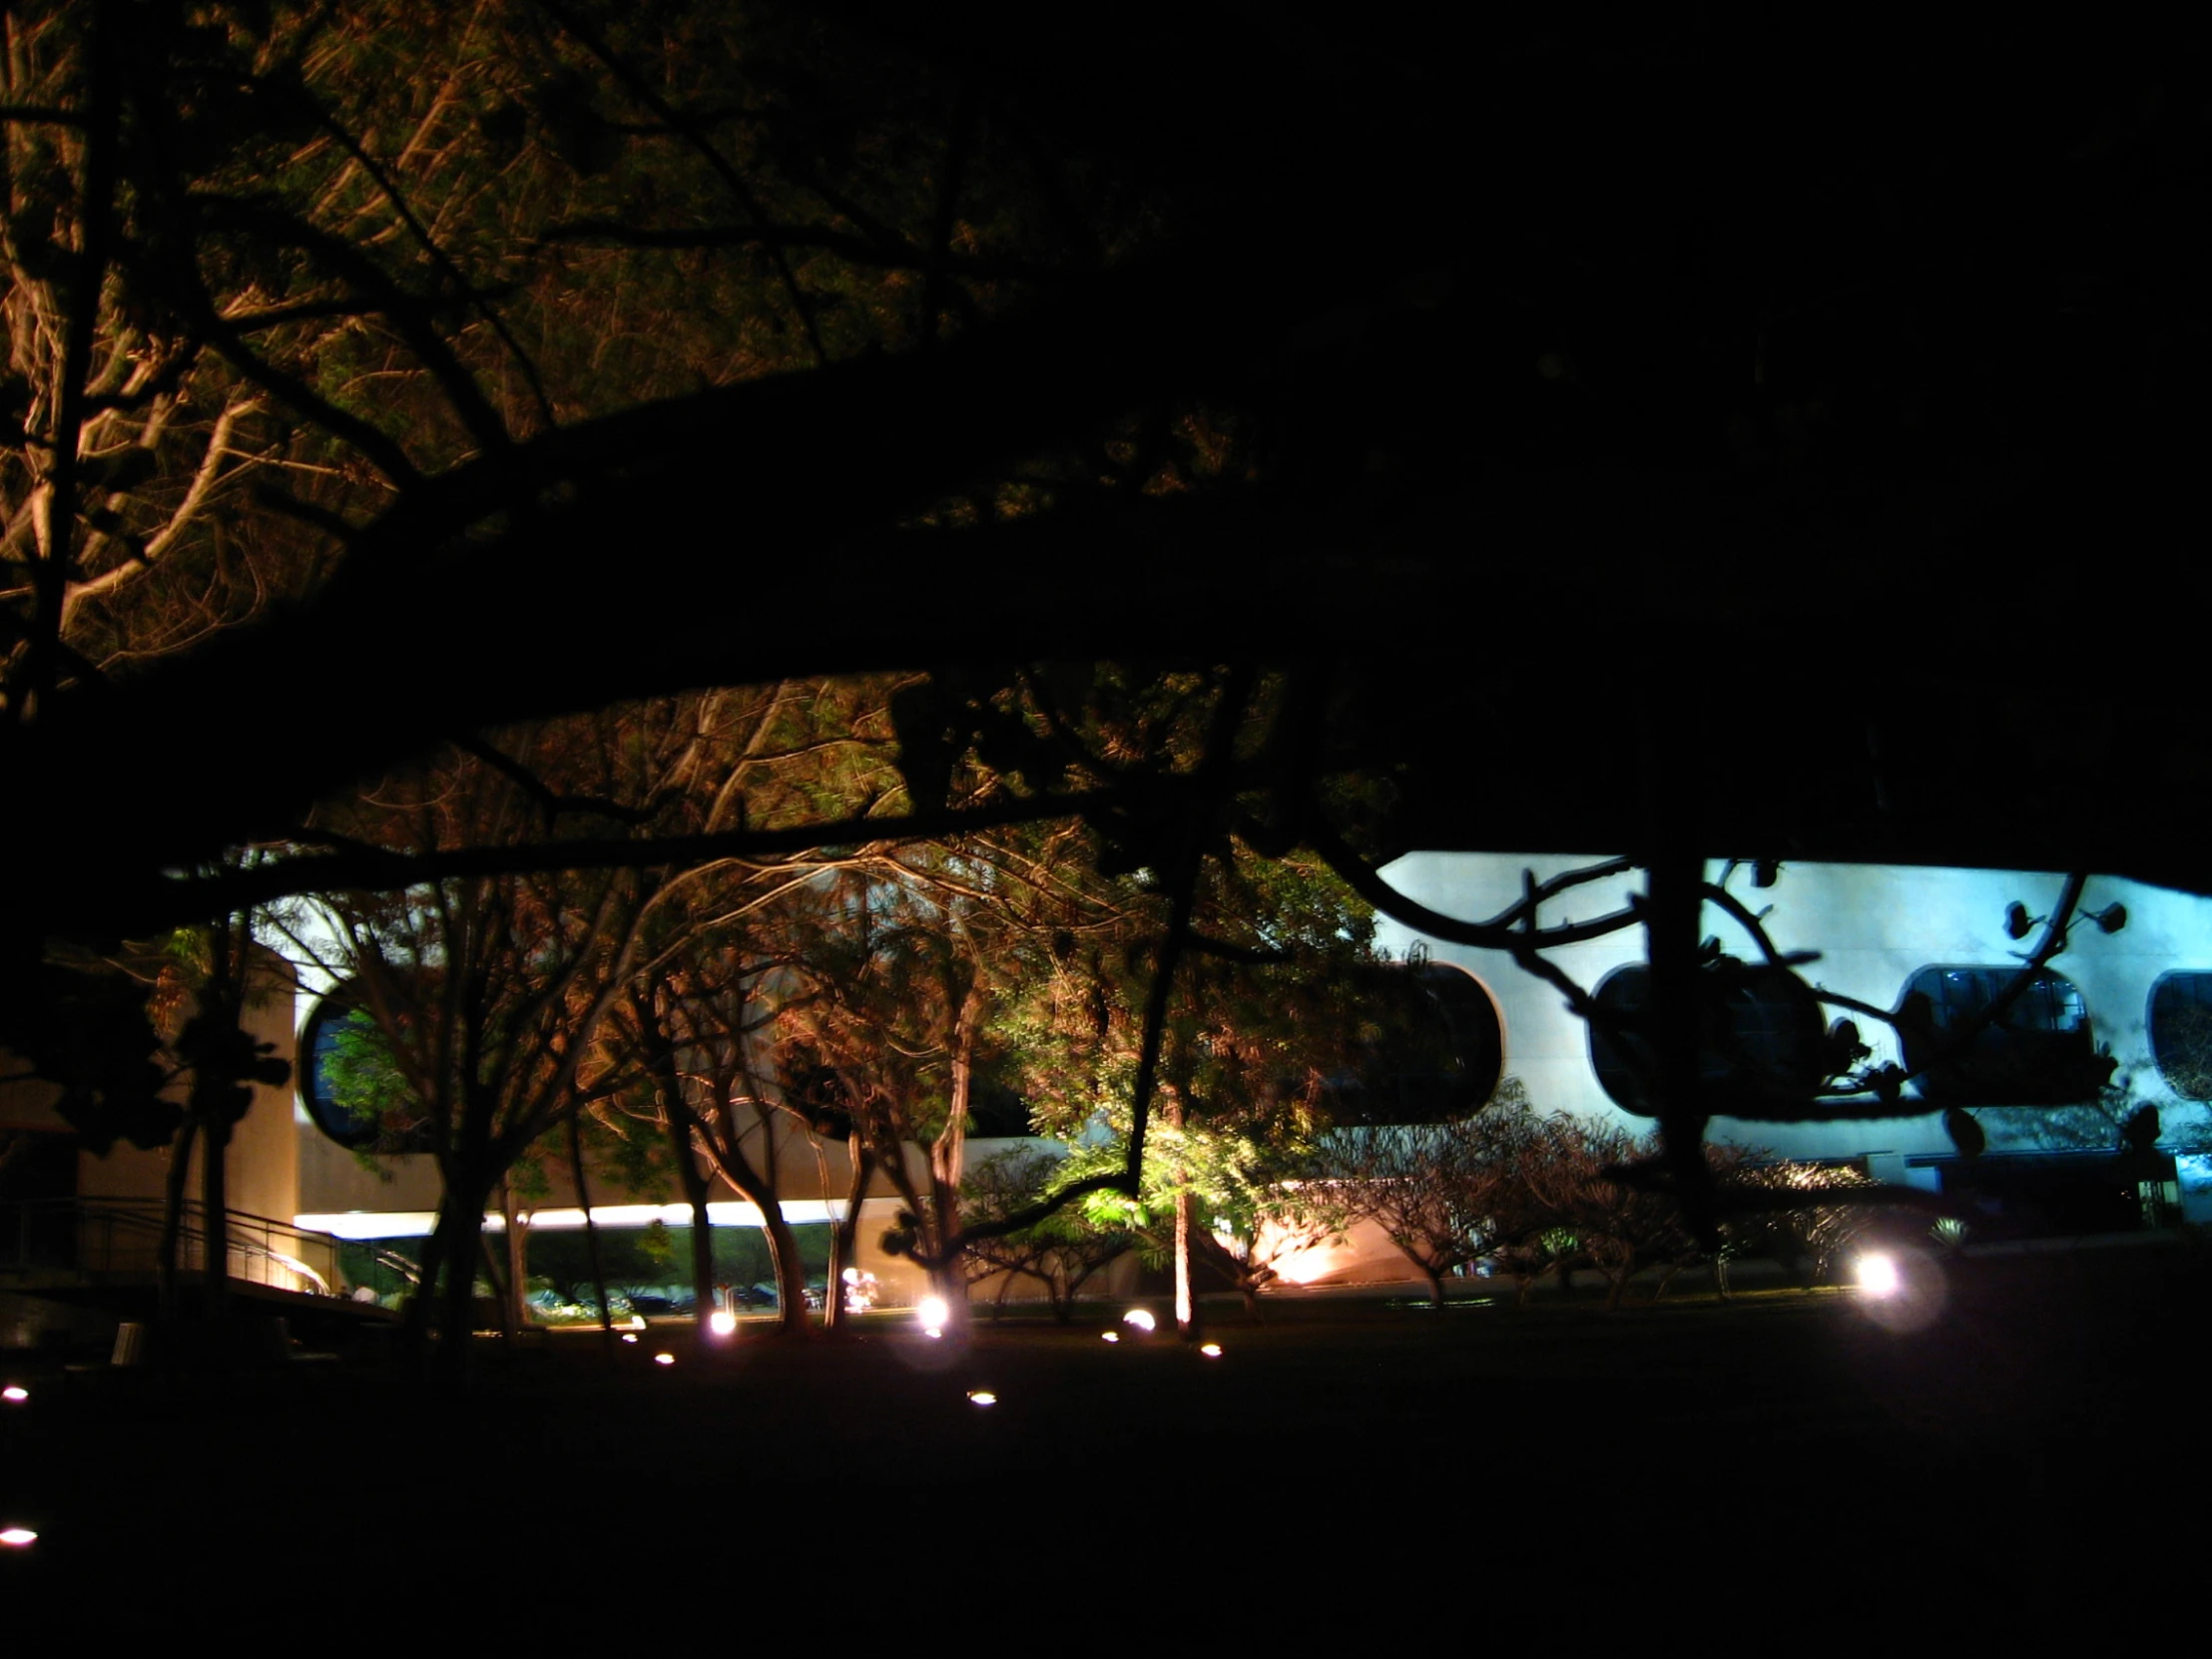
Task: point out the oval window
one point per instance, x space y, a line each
1762 1043
2181 1032
2038 1052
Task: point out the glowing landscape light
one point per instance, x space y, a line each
1109 1335
629 1335
723 1322
1877 1274
934 1312
982 1396
15 1394
1139 1318
664 1358
18 1537
1212 1351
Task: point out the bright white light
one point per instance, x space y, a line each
664 1358
419 1224
1212 1351
982 1396
16 1392
636 1322
1139 1318
1110 1336
629 1335
851 1276
17 1538
1877 1274
723 1321
934 1312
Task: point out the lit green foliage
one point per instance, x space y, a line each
364 1079
1062 1252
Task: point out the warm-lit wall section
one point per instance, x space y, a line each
262 1169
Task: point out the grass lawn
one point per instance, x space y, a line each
1337 1448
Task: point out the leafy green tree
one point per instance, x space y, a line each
510 286
1244 1038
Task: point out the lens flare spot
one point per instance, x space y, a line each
1877 1274
934 1311
723 1322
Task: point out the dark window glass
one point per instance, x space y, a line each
1435 1049
2181 1034
1763 1040
2040 1052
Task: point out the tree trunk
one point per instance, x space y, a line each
1435 1284
173 1219
215 1222
844 1232
517 1307
1186 1304
461 1224
947 1157
790 1269
949 1285
501 1292
421 1303
590 1232
696 1188
758 1188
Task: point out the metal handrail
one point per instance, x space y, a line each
249 1241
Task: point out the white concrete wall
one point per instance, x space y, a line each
1873 926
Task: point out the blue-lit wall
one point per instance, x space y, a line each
1873 926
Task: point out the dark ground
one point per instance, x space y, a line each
2027 1456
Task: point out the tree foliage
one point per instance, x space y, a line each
419 360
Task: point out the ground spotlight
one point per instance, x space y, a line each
1139 1318
18 1537
723 1322
934 1312
1110 1336
1901 1289
1878 1274
664 1358
15 1394
982 1396
1212 1351
629 1335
